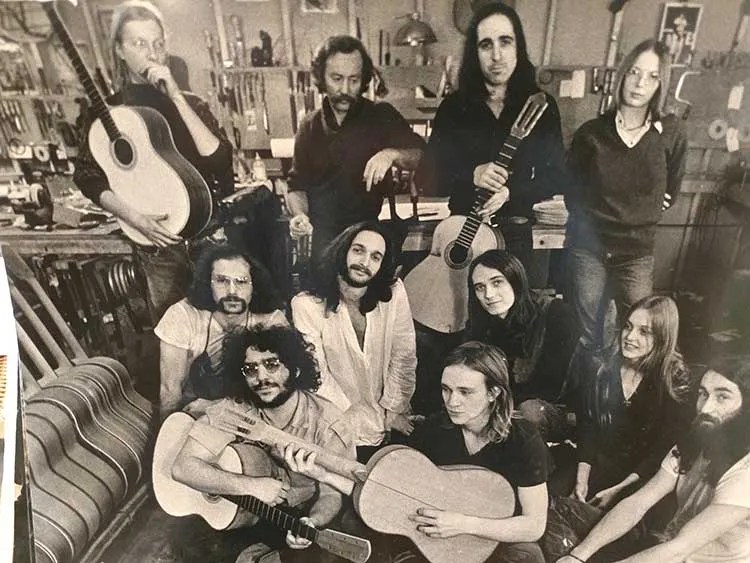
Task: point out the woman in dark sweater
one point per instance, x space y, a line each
626 167
633 405
538 336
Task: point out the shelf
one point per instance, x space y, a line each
43 97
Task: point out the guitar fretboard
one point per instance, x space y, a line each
275 516
473 220
99 106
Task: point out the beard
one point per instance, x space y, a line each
346 275
286 391
222 305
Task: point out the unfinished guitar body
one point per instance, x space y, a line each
401 479
438 286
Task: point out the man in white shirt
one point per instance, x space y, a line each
357 316
709 471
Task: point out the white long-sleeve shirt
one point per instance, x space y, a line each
363 382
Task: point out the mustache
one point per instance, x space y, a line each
362 269
344 98
701 418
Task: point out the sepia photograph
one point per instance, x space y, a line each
408 282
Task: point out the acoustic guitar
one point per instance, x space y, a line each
395 482
135 149
223 512
438 286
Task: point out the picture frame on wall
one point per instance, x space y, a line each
679 30
319 6
15 74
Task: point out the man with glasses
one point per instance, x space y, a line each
274 376
144 79
231 291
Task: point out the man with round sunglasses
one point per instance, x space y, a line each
274 376
231 291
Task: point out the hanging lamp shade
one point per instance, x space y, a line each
415 32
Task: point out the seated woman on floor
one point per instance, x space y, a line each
537 335
633 404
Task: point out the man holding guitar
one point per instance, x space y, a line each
477 428
471 125
275 377
140 54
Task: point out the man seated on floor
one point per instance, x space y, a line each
357 316
230 291
709 471
275 379
477 428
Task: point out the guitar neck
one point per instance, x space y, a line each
337 464
508 151
278 517
97 101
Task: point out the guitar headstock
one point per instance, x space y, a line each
239 422
530 113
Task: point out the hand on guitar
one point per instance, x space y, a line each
161 78
492 177
436 523
398 421
269 490
378 167
152 230
296 542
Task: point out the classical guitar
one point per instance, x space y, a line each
438 286
135 149
395 482
223 511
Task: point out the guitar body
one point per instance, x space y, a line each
177 499
401 479
438 286
145 169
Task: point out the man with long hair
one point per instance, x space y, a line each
230 291
273 377
142 74
357 316
344 151
478 427
709 473
471 124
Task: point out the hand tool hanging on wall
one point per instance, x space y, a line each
240 56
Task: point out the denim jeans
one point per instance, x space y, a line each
599 277
168 273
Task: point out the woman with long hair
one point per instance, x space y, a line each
538 336
625 168
633 406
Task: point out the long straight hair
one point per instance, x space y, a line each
471 81
656 103
524 310
490 361
139 10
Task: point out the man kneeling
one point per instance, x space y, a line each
275 377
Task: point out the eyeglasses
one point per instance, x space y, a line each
226 281
635 74
251 369
159 46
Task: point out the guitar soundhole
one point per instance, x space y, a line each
123 152
457 256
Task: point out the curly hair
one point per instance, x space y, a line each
264 299
340 44
323 281
471 81
656 103
490 361
286 342
732 441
